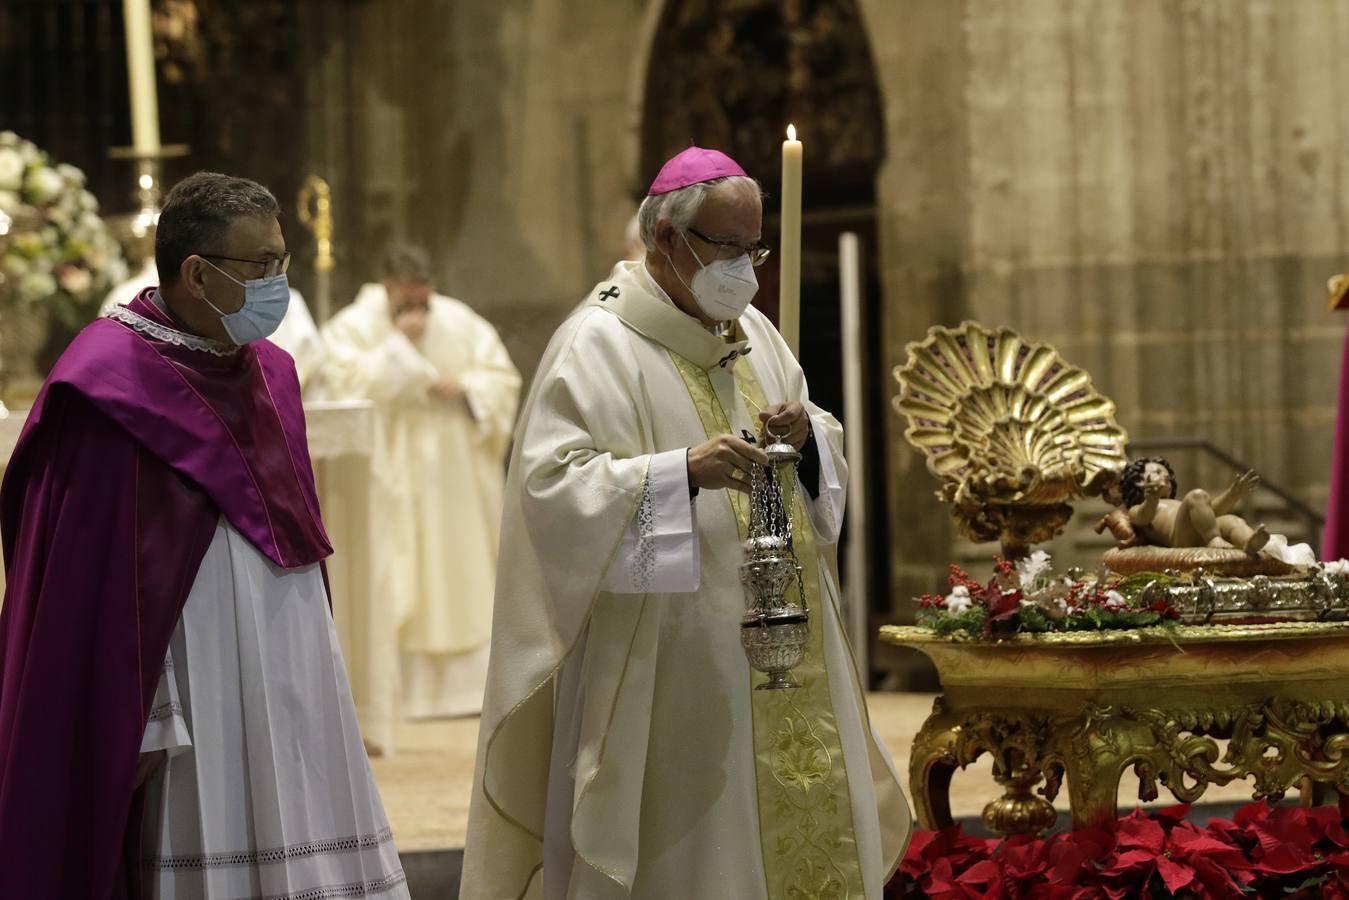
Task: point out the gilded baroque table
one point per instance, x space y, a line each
1085 707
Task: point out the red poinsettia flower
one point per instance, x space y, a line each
1336 844
944 881
1285 851
1281 840
1073 861
1023 861
1163 608
936 858
1002 605
1185 858
1336 834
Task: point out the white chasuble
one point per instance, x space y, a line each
266 792
438 471
623 752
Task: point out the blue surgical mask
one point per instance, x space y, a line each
265 304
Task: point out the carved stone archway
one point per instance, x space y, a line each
731 74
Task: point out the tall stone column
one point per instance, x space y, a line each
921 59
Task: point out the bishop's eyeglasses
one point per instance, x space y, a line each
730 249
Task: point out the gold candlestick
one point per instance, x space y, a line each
316 213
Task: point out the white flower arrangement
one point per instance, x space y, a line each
11 169
55 250
1028 596
1032 569
959 600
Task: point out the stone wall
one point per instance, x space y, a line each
498 135
1159 188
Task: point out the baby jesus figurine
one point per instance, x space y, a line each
1149 512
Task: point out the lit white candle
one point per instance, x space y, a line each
789 292
140 66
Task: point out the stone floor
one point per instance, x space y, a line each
426 785
426 788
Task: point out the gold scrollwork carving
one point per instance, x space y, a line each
1279 744
1022 748
1183 707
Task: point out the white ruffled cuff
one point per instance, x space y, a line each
166 726
659 551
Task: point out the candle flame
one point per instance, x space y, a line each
791 132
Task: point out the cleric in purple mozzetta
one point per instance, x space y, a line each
175 717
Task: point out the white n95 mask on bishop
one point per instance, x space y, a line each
722 288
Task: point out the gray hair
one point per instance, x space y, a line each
681 206
198 213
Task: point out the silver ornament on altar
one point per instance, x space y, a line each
775 626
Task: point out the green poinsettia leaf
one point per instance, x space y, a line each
942 622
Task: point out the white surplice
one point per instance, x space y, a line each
617 754
266 792
438 469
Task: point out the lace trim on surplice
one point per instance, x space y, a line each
170 335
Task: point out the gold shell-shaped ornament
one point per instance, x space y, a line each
1012 430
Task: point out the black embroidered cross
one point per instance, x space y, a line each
730 357
609 294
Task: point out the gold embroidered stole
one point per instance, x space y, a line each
805 808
